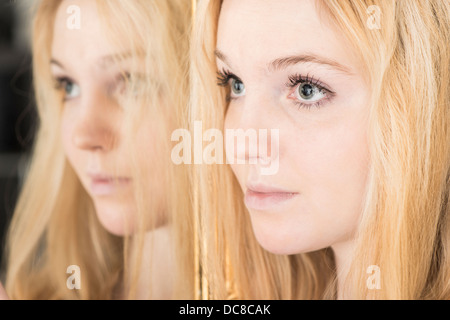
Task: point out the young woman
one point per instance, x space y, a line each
104 213
359 93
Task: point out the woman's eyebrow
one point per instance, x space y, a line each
283 63
103 62
110 59
221 56
56 62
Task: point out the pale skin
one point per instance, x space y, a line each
92 136
289 69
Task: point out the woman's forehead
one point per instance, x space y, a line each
260 32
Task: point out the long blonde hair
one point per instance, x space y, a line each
404 227
54 224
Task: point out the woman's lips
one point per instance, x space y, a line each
103 185
264 198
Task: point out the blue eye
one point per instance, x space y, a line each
309 93
70 89
237 88
227 79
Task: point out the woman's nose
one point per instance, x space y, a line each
95 128
254 137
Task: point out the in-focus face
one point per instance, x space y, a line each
288 69
93 132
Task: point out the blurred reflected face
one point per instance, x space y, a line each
92 121
288 69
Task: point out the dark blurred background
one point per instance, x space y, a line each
17 109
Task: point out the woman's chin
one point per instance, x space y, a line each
279 239
114 218
121 220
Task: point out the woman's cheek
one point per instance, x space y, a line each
66 134
69 148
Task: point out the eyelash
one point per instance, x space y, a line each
225 76
298 79
60 83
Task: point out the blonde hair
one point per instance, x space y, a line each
54 224
404 227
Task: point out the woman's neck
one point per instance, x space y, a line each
155 275
343 253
